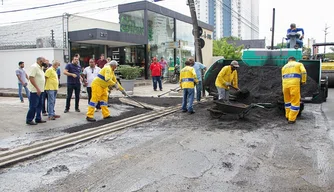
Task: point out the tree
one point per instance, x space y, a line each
229 51
281 45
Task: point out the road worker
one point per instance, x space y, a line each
227 77
104 80
293 74
188 79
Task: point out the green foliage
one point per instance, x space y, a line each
228 51
281 45
128 25
306 51
129 72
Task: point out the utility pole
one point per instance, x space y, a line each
326 33
198 49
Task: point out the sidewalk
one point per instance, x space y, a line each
142 89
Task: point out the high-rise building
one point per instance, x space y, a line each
239 18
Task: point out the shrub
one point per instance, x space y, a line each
128 72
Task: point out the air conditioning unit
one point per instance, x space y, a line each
43 42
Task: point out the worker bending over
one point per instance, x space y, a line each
188 79
293 74
104 80
227 77
294 29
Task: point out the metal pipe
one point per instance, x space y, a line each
273 30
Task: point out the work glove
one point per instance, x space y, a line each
124 93
227 84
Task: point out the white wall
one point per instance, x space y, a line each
77 23
11 58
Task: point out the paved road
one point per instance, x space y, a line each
15 132
184 152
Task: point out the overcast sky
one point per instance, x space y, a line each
310 15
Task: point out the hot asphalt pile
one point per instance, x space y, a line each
265 84
163 102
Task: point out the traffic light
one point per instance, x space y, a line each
200 40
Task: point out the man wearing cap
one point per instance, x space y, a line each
227 77
104 80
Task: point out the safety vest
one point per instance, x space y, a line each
293 73
226 75
106 78
188 78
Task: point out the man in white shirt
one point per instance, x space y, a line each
89 74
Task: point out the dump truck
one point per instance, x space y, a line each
273 57
327 67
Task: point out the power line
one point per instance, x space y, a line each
87 11
40 7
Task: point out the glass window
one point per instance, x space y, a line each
185 36
132 22
161 37
86 51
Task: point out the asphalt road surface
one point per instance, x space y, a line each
183 152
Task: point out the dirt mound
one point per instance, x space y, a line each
265 84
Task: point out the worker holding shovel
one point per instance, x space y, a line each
227 77
106 79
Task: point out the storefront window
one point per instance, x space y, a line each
86 51
184 35
161 36
132 22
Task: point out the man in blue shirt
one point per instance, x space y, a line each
294 29
73 71
198 69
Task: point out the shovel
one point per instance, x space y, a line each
240 93
145 107
176 89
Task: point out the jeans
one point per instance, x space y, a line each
35 107
44 98
188 99
199 90
89 92
157 79
20 91
70 88
163 73
300 43
52 94
223 94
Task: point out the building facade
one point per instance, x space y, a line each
239 18
145 30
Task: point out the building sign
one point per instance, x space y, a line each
115 54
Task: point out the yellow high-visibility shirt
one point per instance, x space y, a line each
188 78
51 79
293 73
106 78
227 75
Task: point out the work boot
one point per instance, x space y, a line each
31 123
77 110
191 112
40 121
184 111
291 122
90 119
